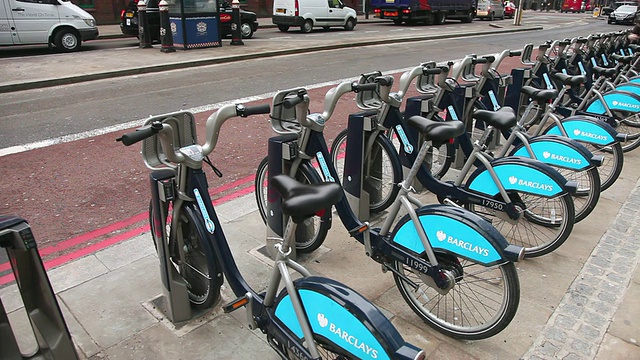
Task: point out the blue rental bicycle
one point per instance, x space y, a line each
451 266
528 201
311 317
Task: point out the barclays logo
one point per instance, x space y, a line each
344 335
623 104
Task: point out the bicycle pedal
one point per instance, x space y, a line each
235 304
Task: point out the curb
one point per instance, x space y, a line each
5 88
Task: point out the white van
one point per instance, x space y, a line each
310 13
490 9
53 22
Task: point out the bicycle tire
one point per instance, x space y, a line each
310 234
471 310
441 157
327 349
386 181
536 230
203 291
588 193
612 164
628 123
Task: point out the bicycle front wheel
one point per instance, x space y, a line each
628 123
482 302
542 226
381 174
312 232
198 267
438 159
588 193
612 164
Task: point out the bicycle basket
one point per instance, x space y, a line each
183 124
369 99
284 120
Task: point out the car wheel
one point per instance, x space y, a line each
283 28
307 26
491 17
67 40
246 31
350 24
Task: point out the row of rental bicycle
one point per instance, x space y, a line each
533 150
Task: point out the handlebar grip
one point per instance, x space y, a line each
515 53
384 80
364 87
432 71
490 58
565 42
140 134
444 68
291 102
480 61
256 109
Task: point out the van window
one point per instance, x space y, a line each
39 1
336 4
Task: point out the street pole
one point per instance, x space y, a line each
143 25
236 35
517 20
166 35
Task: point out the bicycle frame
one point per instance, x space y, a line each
311 144
289 318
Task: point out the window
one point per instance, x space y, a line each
85 4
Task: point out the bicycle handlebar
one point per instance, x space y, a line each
140 134
253 110
165 132
365 87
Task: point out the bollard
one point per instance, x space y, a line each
236 35
143 25
166 35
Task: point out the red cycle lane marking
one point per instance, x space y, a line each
121 237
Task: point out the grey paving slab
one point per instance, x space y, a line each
109 307
614 348
626 322
81 339
222 338
75 273
126 252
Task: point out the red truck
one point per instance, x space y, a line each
424 11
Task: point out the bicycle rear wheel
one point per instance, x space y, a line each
543 224
328 350
482 302
382 171
312 232
198 268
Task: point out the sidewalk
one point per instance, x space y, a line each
580 302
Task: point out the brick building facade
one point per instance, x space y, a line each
108 11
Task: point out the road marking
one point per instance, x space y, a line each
137 123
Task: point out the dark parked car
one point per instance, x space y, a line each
625 14
129 20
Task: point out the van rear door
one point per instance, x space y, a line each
6 23
34 20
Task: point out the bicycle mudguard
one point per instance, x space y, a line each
632 87
521 174
341 315
558 151
586 128
615 100
456 231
